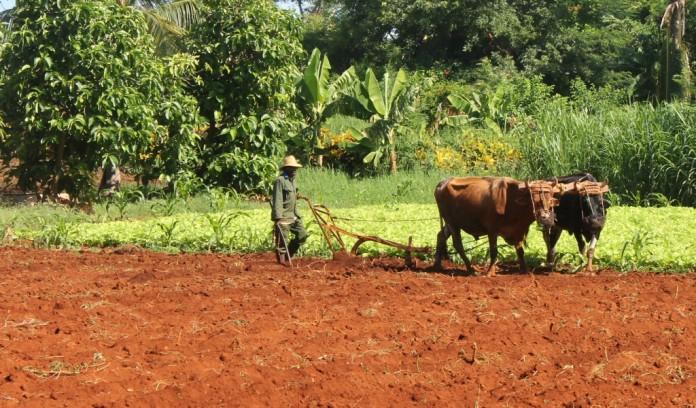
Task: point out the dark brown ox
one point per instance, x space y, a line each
491 206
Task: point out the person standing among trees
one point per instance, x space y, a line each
284 212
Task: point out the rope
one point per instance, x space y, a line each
404 220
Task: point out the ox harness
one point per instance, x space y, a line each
540 190
585 189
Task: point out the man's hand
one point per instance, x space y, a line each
283 221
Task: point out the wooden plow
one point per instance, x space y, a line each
333 235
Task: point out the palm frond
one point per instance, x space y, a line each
343 84
149 4
168 21
161 27
182 13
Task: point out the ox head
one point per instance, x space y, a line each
592 204
542 195
538 197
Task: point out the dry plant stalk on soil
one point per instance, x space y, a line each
29 322
60 368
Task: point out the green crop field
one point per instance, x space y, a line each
647 239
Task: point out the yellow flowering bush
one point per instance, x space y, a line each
471 151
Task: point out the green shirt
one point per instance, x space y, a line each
284 199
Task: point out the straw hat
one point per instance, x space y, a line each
290 161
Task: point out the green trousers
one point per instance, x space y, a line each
299 236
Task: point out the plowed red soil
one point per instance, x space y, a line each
131 328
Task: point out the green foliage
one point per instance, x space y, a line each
481 109
220 198
56 233
603 42
166 207
167 230
248 54
338 190
168 20
84 87
636 251
121 200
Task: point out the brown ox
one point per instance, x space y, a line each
491 206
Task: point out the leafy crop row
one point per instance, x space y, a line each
658 239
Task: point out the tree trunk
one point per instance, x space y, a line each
299 6
319 144
60 153
111 179
686 77
392 150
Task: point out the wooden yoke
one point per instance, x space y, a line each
585 188
542 191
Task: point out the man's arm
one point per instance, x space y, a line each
277 202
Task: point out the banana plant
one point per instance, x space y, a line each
486 110
386 102
316 93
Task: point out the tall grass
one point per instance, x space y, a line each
640 149
336 189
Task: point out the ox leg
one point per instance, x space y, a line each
519 248
590 253
441 250
551 238
581 243
457 242
493 249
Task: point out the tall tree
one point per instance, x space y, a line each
248 53
83 87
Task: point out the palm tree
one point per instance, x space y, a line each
674 19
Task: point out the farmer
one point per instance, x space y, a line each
284 212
